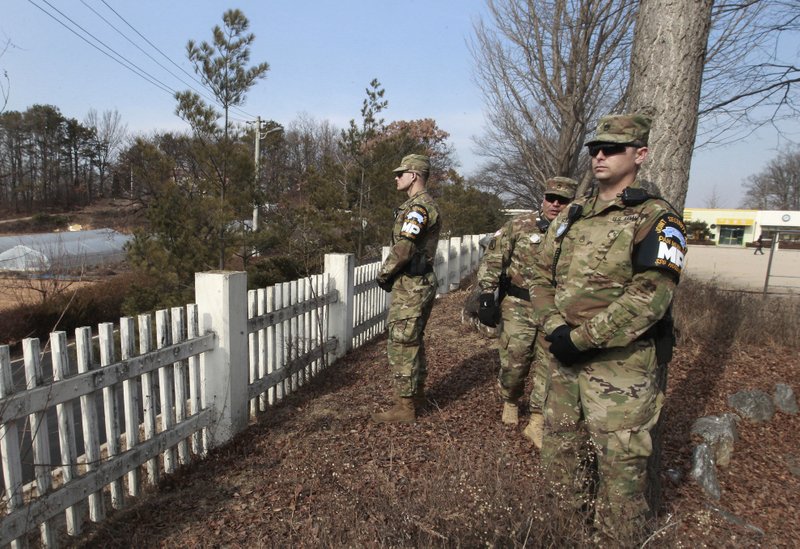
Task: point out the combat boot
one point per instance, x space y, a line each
534 430
510 413
401 412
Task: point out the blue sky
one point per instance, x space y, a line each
322 56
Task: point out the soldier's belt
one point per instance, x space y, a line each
519 293
415 271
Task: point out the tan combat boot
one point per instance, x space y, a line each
510 413
401 412
534 431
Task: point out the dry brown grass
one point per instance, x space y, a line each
18 291
706 314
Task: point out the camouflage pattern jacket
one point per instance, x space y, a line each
598 286
415 236
511 247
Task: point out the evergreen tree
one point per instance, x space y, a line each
222 66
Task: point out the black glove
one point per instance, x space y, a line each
384 284
488 311
564 349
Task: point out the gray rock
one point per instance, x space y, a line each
730 517
719 432
784 399
674 475
704 470
754 405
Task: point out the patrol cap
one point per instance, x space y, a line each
414 163
624 129
561 186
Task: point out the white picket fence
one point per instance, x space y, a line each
174 392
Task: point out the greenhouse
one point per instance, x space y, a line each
62 251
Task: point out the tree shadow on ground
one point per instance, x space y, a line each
477 370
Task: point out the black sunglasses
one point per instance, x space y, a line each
553 198
608 150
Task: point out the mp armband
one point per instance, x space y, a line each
414 222
664 247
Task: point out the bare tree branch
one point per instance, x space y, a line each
548 69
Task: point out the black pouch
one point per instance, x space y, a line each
418 266
664 337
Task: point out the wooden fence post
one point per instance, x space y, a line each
454 270
442 266
475 251
340 269
221 298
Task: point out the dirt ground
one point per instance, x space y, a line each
313 471
740 268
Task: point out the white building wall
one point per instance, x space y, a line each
749 223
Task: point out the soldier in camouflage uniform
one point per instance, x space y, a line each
602 283
512 246
408 274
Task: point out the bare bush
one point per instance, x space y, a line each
713 316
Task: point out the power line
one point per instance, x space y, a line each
119 58
116 56
152 45
165 56
139 47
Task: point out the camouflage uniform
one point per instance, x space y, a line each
516 240
409 266
600 290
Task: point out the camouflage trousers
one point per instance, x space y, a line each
521 347
615 402
412 302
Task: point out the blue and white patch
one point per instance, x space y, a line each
414 222
676 234
664 247
562 228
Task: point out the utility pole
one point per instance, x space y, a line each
259 136
258 165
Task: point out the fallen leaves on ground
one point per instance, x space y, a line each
313 471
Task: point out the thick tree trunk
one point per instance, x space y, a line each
669 49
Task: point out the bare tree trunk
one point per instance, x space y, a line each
667 60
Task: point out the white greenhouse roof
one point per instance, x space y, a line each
22 258
64 250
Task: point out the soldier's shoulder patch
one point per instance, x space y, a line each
664 246
414 222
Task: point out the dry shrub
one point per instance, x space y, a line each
85 306
709 315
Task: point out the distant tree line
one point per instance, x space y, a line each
48 160
776 187
319 189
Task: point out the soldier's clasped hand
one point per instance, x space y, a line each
488 311
563 348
